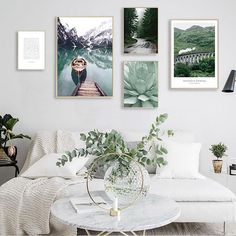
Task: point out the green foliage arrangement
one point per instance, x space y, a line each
148 26
203 68
218 150
7 123
145 28
130 25
199 39
101 144
140 84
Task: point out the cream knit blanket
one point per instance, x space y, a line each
25 203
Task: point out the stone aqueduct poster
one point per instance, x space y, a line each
194 54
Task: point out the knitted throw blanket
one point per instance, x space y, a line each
25 203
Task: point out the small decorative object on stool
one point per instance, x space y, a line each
232 169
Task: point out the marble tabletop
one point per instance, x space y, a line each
150 212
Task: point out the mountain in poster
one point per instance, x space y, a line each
196 38
98 37
200 41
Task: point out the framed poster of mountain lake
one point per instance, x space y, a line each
141 30
140 84
194 54
84 57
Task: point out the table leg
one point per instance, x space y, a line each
133 233
124 233
103 233
87 232
107 233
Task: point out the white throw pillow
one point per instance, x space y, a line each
46 167
183 161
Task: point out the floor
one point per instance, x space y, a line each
190 229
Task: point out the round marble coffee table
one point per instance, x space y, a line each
151 212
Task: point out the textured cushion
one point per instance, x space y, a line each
183 160
192 190
46 167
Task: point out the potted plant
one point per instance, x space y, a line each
110 147
218 151
7 123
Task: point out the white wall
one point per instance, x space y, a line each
30 95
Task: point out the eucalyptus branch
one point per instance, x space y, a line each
99 144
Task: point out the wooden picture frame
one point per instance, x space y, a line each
194 54
84 57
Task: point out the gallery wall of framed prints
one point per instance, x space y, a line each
84 55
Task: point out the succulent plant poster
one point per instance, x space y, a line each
141 30
194 54
84 57
140 84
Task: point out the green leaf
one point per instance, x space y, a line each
130 92
148 161
159 152
143 98
140 86
160 159
83 137
140 146
58 164
154 98
139 154
73 153
137 104
144 159
151 81
170 133
142 164
67 153
21 136
64 158
145 152
63 162
163 117
127 85
130 100
164 150
10 122
147 104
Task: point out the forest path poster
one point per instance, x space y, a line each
84 57
194 54
141 30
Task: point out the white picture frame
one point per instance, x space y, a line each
192 53
31 50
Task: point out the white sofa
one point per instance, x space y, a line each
201 200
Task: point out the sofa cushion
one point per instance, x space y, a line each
191 190
182 160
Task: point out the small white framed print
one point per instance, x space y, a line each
31 50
